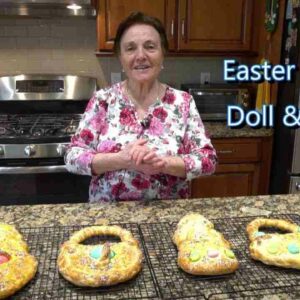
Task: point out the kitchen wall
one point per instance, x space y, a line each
67 47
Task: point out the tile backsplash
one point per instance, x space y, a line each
54 46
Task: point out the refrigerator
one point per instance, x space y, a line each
285 170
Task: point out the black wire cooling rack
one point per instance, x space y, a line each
44 244
251 280
160 277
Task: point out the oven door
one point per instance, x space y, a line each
25 187
212 105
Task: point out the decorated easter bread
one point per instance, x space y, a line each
17 265
201 249
103 264
278 249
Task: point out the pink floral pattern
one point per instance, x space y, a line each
126 116
156 127
99 123
169 98
86 135
140 183
110 121
118 188
160 113
108 146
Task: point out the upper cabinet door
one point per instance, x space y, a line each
112 12
215 25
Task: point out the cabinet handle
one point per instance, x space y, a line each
172 28
297 186
183 28
225 151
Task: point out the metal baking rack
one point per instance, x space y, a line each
252 279
160 277
44 244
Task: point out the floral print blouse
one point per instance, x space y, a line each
110 121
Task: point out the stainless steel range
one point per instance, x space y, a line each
38 115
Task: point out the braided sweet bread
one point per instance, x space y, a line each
17 266
278 249
201 249
103 264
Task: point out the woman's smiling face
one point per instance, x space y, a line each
141 53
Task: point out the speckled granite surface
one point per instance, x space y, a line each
168 210
220 130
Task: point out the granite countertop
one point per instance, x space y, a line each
221 130
159 211
166 210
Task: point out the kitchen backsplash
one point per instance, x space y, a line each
68 47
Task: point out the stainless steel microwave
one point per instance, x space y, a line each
212 100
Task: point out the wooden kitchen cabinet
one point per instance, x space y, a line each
192 26
112 12
215 25
243 169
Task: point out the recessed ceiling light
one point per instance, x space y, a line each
74 6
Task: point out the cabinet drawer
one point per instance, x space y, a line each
230 180
238 150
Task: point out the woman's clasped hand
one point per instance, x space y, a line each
144 159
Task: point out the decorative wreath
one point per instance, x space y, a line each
271 15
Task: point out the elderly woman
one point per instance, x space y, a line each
140 139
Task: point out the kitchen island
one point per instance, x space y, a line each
167 211
141 212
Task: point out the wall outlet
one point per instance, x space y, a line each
204 77
115 77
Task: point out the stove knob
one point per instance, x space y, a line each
30 150
61 149
1 151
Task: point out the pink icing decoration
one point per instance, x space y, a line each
213 253
3 258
